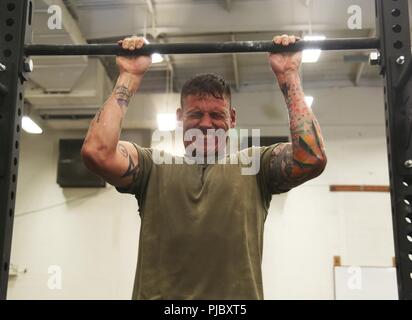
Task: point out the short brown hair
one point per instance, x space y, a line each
206 84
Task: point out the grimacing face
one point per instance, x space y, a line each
203 113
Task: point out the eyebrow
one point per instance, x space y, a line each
211 112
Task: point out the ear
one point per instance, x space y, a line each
179 114
232 118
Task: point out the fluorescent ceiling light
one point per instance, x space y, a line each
314 37
157 58
311 55
166 121
30 126
309 100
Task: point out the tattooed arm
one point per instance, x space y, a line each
304 158
102 152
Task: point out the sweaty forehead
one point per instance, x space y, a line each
205 103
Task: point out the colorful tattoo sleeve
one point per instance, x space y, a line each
292 164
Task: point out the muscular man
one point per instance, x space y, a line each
202 224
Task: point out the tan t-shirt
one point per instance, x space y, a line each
201 229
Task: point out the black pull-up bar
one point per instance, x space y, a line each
197 48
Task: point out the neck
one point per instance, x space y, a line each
205 158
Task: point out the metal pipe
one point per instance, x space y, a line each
198 48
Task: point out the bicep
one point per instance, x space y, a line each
121 170
285 172
280 168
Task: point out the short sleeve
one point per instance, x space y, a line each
269 181
145 163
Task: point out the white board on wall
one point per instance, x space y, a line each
365 283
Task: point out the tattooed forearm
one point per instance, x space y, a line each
123 95
98 115
285 90
105 128
303 159
126 86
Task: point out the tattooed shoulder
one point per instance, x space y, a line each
281 165
132 170
286 172
133 167
123 150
